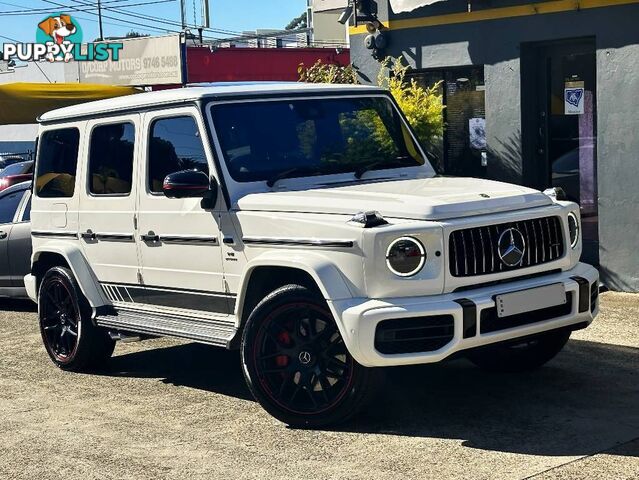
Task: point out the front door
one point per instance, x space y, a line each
181 263
562 127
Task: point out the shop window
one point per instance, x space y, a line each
463 91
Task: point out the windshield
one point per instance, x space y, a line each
269 140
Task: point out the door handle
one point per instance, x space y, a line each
89 236
3 235
150 237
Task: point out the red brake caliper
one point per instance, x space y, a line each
284 338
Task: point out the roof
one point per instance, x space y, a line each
193 93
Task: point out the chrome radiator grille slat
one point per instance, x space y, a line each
474 251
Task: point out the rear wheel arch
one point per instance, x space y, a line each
43 262
72 258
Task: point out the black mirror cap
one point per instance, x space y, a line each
186 184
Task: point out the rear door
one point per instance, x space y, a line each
108 196
9 204
19 246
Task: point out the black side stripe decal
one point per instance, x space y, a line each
188 240
114 237
172 298
300 242
49 234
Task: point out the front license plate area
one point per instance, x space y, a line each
530 300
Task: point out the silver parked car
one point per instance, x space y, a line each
15 239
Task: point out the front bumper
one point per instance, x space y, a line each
359 318
30 286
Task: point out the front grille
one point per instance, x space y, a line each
474 251
412 335
491 322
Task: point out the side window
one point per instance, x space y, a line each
57 163
9 205
174 145
26 214
111 159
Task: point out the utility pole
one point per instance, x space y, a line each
205 14
100 20
183 13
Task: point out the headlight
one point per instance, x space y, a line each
573 228
405 256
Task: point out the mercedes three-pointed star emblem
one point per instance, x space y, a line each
511 247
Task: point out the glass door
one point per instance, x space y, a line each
566 128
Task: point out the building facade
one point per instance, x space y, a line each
540 93
323 17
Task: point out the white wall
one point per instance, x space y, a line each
43 72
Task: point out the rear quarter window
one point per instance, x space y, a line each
57 163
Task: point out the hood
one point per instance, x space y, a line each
435 198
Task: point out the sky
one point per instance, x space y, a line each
18 21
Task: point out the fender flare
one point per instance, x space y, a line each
323 271
79 266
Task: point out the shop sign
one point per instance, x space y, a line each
477 131
143 61
574 98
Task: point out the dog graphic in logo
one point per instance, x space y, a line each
58 28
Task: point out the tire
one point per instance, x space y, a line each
296 364
527 354
71 339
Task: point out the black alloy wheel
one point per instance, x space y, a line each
296 362
59 319
302 359
71 339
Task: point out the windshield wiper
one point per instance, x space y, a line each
291 172
374 165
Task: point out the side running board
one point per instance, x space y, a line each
204 331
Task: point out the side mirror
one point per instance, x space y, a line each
186 183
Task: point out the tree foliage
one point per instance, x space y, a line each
298 22
423 106
327 73
134 34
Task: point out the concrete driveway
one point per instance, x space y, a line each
166 409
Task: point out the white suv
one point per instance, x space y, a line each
302 224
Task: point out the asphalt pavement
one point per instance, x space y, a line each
170 409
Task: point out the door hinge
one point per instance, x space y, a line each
135 221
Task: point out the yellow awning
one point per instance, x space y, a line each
22 103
